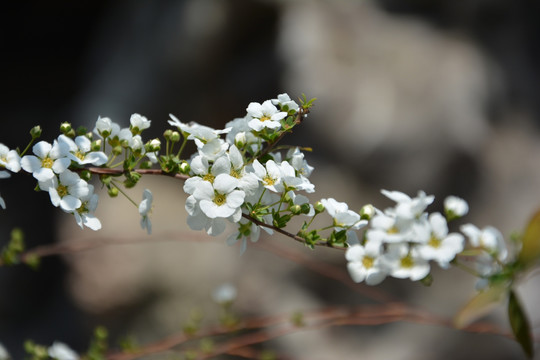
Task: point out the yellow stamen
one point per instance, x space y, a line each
220 199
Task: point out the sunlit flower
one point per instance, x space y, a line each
264 115
364 263
9 159
60 351
48 160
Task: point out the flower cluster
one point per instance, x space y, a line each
401 241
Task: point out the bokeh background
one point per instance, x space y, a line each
412 94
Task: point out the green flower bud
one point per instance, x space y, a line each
85 175
319 207
113 192
65 127
175 136
167 134
240 140
81 130
146 164
96 145
296 209
185 168
117 150
35 132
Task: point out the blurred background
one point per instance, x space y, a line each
412 94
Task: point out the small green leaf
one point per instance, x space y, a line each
530 250
520 324
480 305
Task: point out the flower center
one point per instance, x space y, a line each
209 177
235 173
47 163
220 199
264 118
393 230
368 261
434 242
267 180
407 262
80 155
62 190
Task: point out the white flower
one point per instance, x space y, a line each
66 190
201 167
247 181
284 101
270 176
48 160
343 217
197 220
264 115
84 214
488 238
225 293
403 261
408 208
104 127
220 199
139 123
61 351
364 263
9 159
145 207
455 207
212 149
438 244
80 151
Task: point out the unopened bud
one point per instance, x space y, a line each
81 130
319 207
240 139
113 192
296 209
96 145
65 127
35 132
153 145
185 168
167 134
117 150
175 136
367 212
85 175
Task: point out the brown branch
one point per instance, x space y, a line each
277 326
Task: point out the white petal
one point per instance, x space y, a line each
42 149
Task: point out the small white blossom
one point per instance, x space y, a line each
408 208
343 217
66 190
404 261
9 159
270 175
60 351
80 151
84 214
364 263
220 199
145 207
283 100
264 115
488 238
197 219
455 207
139 122
48 160
104 127
438 245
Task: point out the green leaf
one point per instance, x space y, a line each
520 324
530 250
480 305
